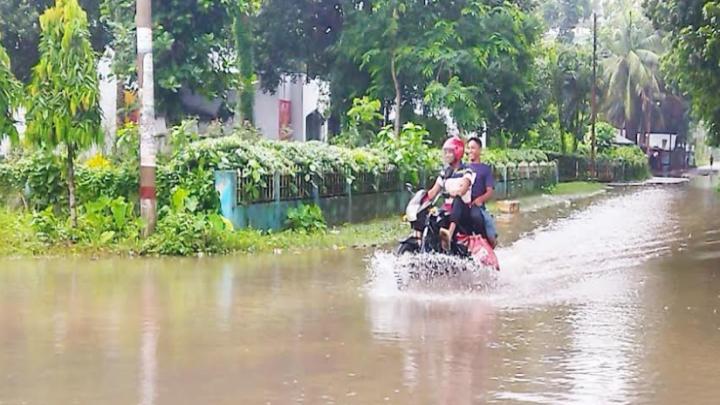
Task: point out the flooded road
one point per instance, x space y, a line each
616 300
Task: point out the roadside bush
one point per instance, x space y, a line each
503 157
627 154
306 219
48 228
16 233
183 231
101 223
37 179
107 220
106 181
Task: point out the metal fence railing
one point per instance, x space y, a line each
510 179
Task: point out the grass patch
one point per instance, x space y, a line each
16 234
576 187
347 236
18 238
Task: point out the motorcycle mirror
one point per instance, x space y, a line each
409 187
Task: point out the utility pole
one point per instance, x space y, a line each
148 148
593 118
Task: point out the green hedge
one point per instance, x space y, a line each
626 164
39 179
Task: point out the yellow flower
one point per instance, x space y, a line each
98 162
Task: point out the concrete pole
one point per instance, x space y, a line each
148 147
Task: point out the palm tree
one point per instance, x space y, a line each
632 78
571 81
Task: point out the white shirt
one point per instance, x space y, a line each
453 184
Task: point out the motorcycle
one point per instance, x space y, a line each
426 221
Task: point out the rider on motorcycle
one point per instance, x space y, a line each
456 182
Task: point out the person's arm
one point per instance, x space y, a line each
485 197
489 189
435 190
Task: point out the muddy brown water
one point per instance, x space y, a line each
614 300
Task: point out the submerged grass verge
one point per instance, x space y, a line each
18 238
21 235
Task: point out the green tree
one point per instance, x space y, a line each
296 37
572 86
119 18
564 16
632 78
63 106
378 41
20 31
473 58
10 90
243 13
692 63
192 45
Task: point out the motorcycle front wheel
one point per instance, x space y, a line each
406 248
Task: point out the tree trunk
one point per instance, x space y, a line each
577 130
71 184
398 95
246 90
648 125
631 131
563 146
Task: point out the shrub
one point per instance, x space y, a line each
306 219
36 178
107 220
101 223
39 180
183 231
410 151
16 233
503 157
627 154
48 228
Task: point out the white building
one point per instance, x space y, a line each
298 106
295 111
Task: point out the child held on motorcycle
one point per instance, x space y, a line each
456 182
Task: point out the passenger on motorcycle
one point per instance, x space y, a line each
482 191
456 181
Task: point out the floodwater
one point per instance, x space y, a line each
614 300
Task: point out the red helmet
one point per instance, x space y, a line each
457 145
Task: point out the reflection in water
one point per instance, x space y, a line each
601 354
59 331
617 302
443 343
148 346
225 296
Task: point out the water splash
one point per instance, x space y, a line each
391 275
611 235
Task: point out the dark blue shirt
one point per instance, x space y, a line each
483 179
